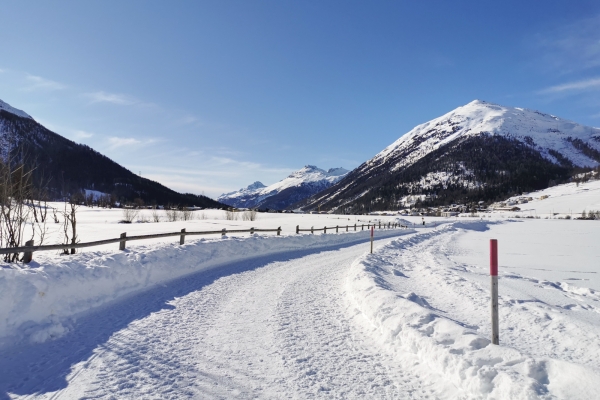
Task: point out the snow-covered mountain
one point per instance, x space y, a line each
298 186
67 167
481 150
8 108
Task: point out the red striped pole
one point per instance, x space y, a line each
372 234
494 276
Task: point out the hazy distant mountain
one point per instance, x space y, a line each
70 167
298 186
477 151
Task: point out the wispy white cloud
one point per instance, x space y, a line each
113 98
212 175
573 47
115 142
187 120
582 85
38 83
82 134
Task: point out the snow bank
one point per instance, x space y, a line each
40 302
417 333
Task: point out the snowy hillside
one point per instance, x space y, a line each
486 149
8 108
299 185
561 201
69 167
545 132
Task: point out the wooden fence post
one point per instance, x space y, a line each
494 288
337 227
325 229
362 227
122 242
223 232
28 255
379 224
297 228
251 231
312 231
372 233
182 237
354 227
346 228
279 231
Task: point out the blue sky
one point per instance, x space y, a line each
207 97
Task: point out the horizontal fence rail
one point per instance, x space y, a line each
355 227
28 250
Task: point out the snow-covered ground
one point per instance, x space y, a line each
98 223
563 200
308 316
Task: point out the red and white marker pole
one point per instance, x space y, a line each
494 275
372 234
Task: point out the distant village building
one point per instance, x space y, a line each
449 213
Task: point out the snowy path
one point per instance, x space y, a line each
280 329
410 321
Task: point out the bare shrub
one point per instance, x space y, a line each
70 222
186 214
249 215
129 215
155 215
171 214
22 206
202 216
143 218
230 215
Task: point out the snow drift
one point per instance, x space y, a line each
418 333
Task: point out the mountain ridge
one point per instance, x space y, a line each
67 167
551 147
295 187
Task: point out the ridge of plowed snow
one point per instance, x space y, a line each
423 304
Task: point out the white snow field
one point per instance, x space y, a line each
564 200
307 316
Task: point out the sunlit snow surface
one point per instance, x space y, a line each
310 316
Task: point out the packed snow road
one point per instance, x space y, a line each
270 328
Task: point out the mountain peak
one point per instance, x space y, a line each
255 185
482 148
8 108
300 184
337 171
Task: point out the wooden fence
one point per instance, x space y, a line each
312 229
29 248
122 240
